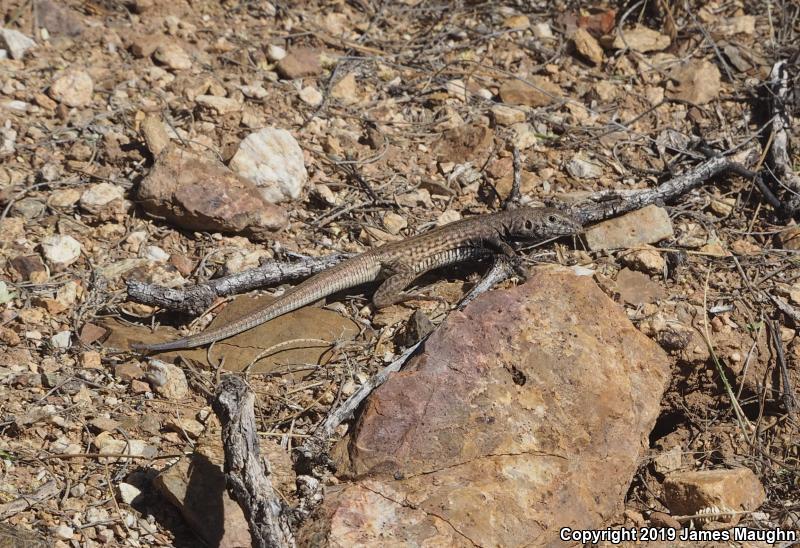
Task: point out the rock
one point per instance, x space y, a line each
29 267
527 412
587 46
273 160
418 327
222 105
542 30
8 140
144 45
723 206
524 135
28 208
198 194
128 371
714 249
790 238
660 519
641 39
696 81
311 96
506 116
745 247
172 56
15 42
58 19
91 333
214 516
734 55
155 135
794 293
517 22
128 493
103 198
465 143
636 288
63 531
643 226
168 380
668 461
73 88
254 92
275 53
742 24
15 107
61 340
240 350
61 251
539 92
64 198
645 260
300 63
108 445
346 90
582 168
598 23
394 223
192 428
688 493
103 424
155 254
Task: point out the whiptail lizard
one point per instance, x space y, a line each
399 263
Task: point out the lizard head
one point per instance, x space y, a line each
529 223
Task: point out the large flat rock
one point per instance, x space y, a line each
527 412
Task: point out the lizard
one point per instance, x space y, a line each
399 264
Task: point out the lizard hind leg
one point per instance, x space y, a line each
391 290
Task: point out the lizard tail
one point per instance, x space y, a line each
342 276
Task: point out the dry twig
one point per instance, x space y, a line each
246 471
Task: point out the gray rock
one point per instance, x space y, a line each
128 493
16 42
61 250
582 168
273 160
61 340
168 380
643 226
73 88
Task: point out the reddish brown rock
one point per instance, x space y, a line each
696 81
299 63
27 266
587 46
689 493
636 288
537 92
195 193
464 143
526 413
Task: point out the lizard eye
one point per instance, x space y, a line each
552 218
528 224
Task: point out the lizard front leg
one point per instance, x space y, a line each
501 247
504 250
